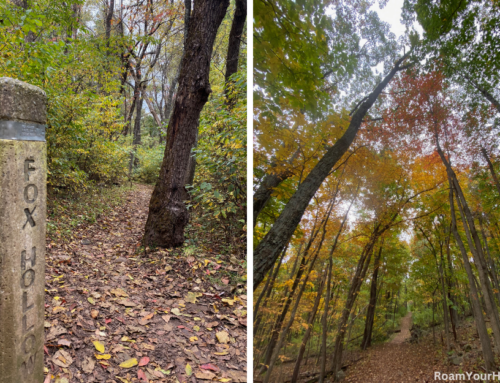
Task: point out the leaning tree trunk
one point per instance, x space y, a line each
269 248
168 214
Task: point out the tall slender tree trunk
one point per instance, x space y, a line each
109 18
370 314
281 318
492 270
284 331
305 339
268 250
484 92
492 169
357 280
233 49
475 247
324 323
168 214
474 297
266 292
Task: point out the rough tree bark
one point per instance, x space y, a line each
109 17
269 248
168 214
233 49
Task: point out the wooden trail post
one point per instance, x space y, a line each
23 173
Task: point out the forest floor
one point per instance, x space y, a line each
116 314
399 361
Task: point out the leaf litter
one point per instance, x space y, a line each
117 314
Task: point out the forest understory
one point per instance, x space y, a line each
400 361
117 313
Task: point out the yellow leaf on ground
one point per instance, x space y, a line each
104 356
98 346
129 363
189 370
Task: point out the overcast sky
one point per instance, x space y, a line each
392 14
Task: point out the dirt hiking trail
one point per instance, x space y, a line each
114 314
396 361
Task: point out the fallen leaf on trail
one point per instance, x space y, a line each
62 358
88 365
193 339
98 346
61 380
144 321
58 309
123 380
205 375
64 342
222 337
191 297
144 360
196 328
119 292
104 356
94 313
166 318
129 363
225 281
221 353
209 366
126 302
108 321
142 376
229 301
238 376
91 300
175 311
47 378
224 380
55 332
189 370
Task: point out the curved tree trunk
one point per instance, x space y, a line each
168 214
268 250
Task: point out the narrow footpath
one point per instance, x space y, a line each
116 315
396 361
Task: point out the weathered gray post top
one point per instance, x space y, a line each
23 173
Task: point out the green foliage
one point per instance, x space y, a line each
150 159
219 190
83 100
